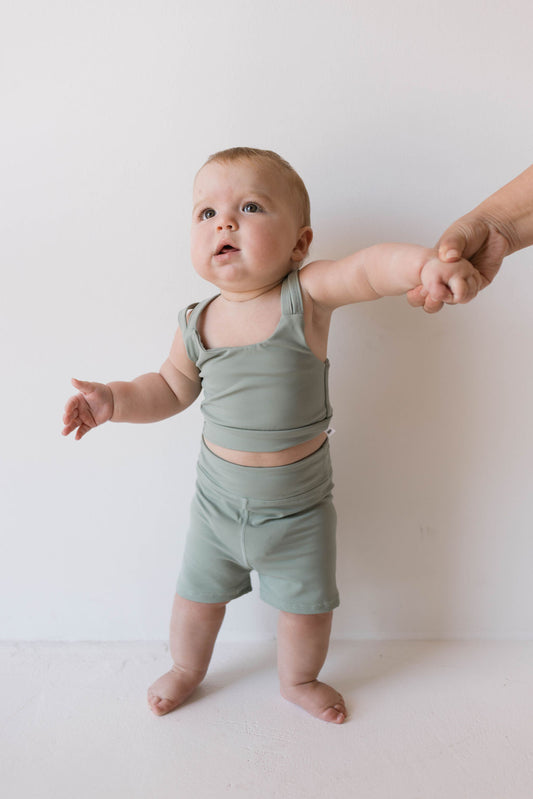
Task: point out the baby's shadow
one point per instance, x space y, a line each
351 667
245 662
355 665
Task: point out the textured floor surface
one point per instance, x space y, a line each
428 721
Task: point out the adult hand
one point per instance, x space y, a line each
502 224
474 238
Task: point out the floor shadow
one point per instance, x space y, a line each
247 661
356 664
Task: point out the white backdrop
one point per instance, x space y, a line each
399 117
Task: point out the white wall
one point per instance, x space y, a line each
400 117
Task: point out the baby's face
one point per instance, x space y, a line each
245 226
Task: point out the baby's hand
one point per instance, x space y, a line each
91 407
453 283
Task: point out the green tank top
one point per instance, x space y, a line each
261 397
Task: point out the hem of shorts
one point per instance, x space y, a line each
304 610
195 596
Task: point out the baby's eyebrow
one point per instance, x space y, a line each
261 195
201 204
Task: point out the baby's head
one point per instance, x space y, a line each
250 224
271 162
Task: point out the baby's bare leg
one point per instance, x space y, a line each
194 627
302 648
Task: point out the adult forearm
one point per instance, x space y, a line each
146 399
510 211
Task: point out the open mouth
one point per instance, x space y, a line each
226 248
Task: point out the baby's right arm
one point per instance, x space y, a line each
149 398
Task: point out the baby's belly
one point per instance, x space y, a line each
281 458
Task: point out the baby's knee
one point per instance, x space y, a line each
306 620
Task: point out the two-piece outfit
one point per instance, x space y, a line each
277 520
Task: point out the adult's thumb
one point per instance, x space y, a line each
452 245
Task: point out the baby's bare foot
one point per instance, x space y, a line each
171 690
319 700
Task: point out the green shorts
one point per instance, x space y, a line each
280 521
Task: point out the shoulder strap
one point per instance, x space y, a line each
188 327
187 322
291 295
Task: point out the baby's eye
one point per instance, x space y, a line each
251 208
207 213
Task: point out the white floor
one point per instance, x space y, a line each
428 720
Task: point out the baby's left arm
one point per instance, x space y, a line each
387 270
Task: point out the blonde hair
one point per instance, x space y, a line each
283 168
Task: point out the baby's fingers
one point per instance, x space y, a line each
431 305
82 430
419 298
84 386
71 416
69 428
77 416
415 297
438 292
464 289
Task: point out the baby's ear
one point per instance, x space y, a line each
305 237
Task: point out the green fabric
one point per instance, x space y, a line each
280 521
262 397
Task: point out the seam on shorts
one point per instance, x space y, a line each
244 521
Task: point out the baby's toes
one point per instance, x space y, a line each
336 714
159 705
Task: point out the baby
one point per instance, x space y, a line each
258 350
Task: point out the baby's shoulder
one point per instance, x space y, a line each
315 278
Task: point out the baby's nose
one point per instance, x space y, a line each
225 226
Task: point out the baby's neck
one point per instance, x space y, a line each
250 295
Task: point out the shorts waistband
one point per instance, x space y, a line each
268 483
